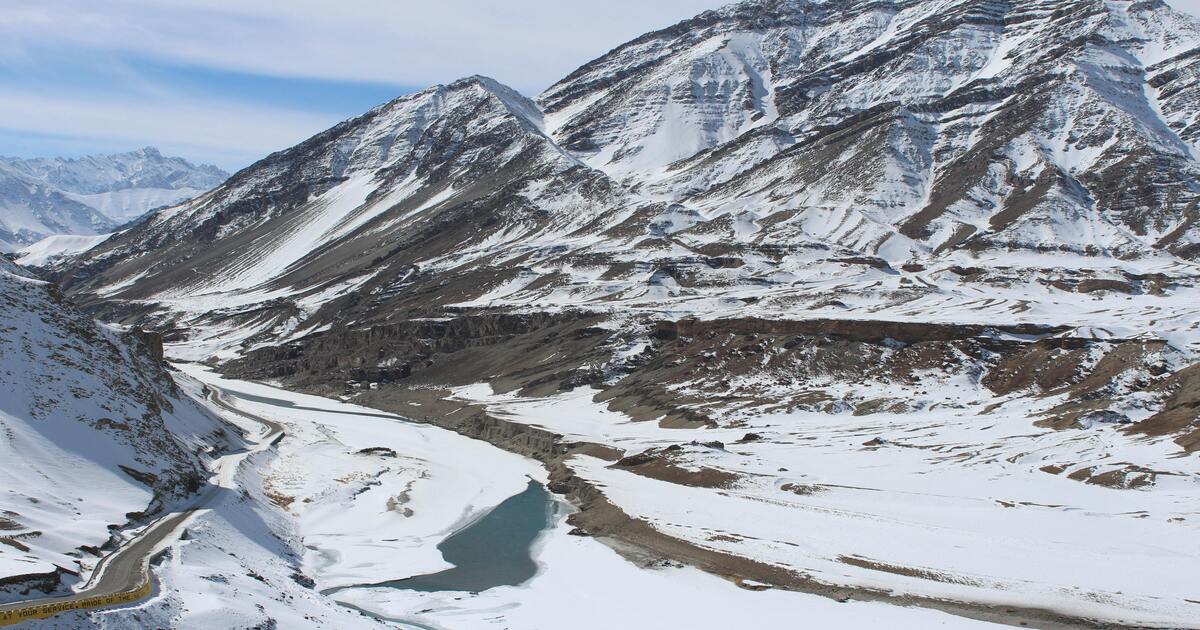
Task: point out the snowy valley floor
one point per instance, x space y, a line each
320 507
948 503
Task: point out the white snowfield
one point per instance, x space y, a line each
347 518
128 204
56 247
950 503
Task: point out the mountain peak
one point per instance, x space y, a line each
518 104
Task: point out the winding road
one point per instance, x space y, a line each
124 576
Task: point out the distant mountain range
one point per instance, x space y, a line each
41 197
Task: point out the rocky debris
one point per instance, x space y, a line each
540 354
869 261
1127 477
1093 285
1180 412
752 585
303 580
1103 417
857 330
151 340
801 489
25 585
377 451
661 464
8 522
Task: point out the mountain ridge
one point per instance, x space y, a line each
974 161
93 194
146 167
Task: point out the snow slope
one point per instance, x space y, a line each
129 204
93 429
52 248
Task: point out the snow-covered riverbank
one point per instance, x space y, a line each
949 503
345 511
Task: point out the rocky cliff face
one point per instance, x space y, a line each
904 128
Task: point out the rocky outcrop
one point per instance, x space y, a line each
857 330
453 349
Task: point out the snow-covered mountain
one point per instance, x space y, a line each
145 168
721 277
445 178
904 128
31 210
94 432
961 163
91 195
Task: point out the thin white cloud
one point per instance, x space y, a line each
526 43
228 133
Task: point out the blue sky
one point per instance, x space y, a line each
228 81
